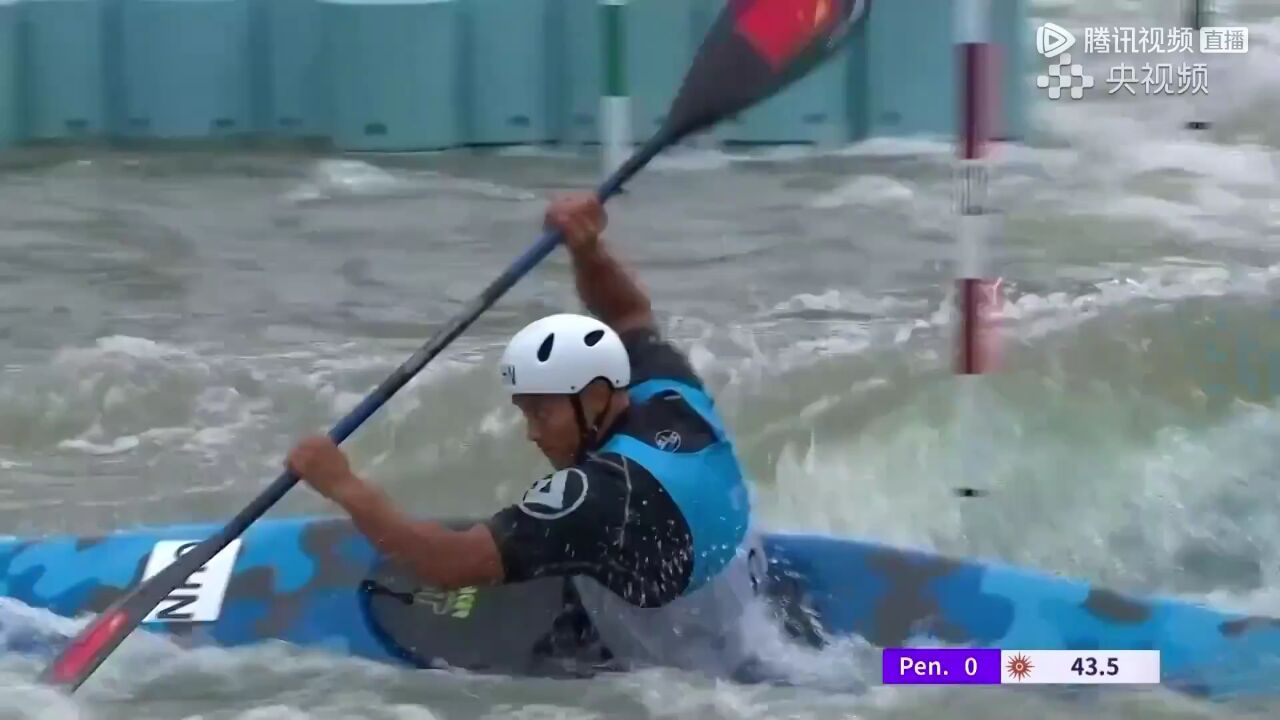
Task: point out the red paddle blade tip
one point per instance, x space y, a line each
77 660
780 29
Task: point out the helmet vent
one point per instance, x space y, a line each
544 350
593 337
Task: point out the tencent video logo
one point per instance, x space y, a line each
1053 41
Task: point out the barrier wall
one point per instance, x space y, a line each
405 75
911 85
10 113
64 54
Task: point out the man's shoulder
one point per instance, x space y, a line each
608 468
668 422
653 357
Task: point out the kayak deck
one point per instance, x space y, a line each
893 597
317 582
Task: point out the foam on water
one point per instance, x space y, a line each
900 147
331 179
692 159
865 190
133 409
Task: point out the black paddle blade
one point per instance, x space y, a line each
754 49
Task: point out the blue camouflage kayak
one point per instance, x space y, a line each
316 582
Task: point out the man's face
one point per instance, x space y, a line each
550 424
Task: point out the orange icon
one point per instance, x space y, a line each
1019 667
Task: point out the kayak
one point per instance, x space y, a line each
316 582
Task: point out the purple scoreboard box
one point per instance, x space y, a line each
941 666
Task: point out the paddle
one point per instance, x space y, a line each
755 48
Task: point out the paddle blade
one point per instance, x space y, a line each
86 651
754 49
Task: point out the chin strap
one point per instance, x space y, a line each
588 435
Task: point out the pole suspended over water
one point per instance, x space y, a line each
977 296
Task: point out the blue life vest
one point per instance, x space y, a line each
707 485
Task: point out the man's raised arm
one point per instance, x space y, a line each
607 289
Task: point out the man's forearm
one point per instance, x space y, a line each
608 290
427 548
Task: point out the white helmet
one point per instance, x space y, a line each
562 354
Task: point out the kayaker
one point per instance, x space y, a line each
647 510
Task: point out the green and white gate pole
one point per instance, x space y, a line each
615 102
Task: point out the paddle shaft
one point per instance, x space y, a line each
129 612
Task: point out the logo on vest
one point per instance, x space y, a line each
667 440
555 496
